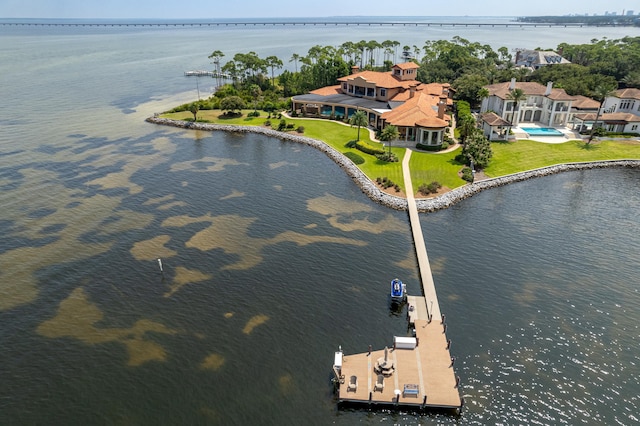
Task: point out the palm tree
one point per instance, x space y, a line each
467 126
294 58
601 93
194 108
389 133
483 93
359 119
516 95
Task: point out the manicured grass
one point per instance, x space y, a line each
513 157
428 167
508 157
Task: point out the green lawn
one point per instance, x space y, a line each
513 157
426 167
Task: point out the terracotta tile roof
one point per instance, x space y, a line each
502 90
629 93
421 110
381 79
620 117
433 89
407 65
582 102
327 91
493 119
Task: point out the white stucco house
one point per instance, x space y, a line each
620 113
623 100
542 105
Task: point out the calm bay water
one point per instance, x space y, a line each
272 257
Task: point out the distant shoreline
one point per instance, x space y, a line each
385 21
369 188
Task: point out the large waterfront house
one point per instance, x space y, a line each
418 110
535 59
620 113
543 105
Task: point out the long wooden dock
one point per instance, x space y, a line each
418 373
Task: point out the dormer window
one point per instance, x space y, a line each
383 93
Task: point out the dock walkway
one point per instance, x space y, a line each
426 277
421 377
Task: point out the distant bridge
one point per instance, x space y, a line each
312 23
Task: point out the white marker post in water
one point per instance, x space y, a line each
160 264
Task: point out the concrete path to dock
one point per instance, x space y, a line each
428 286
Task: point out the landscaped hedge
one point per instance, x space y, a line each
354 157
368 149
428 147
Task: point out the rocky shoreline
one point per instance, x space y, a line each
373 192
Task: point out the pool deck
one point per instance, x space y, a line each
567 134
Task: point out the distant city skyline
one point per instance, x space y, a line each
210 9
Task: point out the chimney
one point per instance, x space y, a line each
549 87
412 91
560 51
442 105
355 69
512 85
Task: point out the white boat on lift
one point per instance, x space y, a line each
398 291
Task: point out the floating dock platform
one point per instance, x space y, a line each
418 376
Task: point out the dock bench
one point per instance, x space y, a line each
411 390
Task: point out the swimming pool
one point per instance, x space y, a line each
542 131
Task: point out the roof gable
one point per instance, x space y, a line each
421 110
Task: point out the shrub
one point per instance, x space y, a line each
389 157
429 188
253 114
290 126
282 125
267 123
467 174
368 149
350 144
387 183
424 147
300 129
355 158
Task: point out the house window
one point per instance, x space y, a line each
634 127
345 86
383 93
371 92
628 104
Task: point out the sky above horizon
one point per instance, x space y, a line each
212 9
